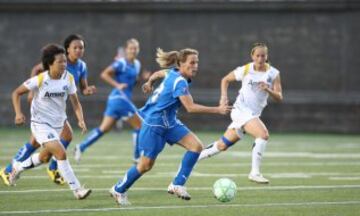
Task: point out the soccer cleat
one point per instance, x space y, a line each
120 198
55 176
5 177
77 153
14 176
258 178
81 193
179 191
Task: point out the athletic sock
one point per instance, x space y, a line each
129 179
257 153
209 151
94 135
24 153
68 174
187 164
29 163
136 144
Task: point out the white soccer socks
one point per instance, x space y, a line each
68 174
257 153
31 162
209 151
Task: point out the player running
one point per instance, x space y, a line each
160 124
122 74
259 81
74 46
48 115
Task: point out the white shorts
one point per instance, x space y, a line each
240 116
45 133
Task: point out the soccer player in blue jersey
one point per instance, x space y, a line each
160 124
74 47
122 74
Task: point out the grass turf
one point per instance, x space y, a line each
311 174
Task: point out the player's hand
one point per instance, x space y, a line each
147 87
82 125
19 119
263 86
224 100
121 86
89 90
146 75
224 109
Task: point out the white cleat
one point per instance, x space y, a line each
77 153
81 193
179 191
14 176
120 198
258 178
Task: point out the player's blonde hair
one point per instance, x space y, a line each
132 41
259 45
173 58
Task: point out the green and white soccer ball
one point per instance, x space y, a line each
224 189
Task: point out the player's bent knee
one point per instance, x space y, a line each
197 147
61 155
45 158
144 167
265 135
221 146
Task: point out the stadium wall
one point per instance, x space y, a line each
314 44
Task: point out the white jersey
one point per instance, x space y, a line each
250 96
49 103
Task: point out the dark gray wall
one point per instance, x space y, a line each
314 44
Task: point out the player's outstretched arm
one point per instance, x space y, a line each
225 81
78 112
16 96
191 107
148 86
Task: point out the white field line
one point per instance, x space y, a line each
345 178
267 187
224 164
242 154
117 174
297 204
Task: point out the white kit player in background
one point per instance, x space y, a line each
259 80
48 115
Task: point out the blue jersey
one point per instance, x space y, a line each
78 70
125 72
161 108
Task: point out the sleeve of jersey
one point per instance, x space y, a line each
32 83
181 89
84 72
275 74
117 66
239 73
72 87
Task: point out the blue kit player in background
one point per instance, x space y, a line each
75 47
160 124
122 74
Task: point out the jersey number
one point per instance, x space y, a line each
157 92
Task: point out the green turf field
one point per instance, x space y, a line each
310 175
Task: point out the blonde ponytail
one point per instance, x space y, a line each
167 59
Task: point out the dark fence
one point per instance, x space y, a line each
314 44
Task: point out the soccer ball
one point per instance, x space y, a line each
224 189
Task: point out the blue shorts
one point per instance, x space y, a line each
120 108
152 139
